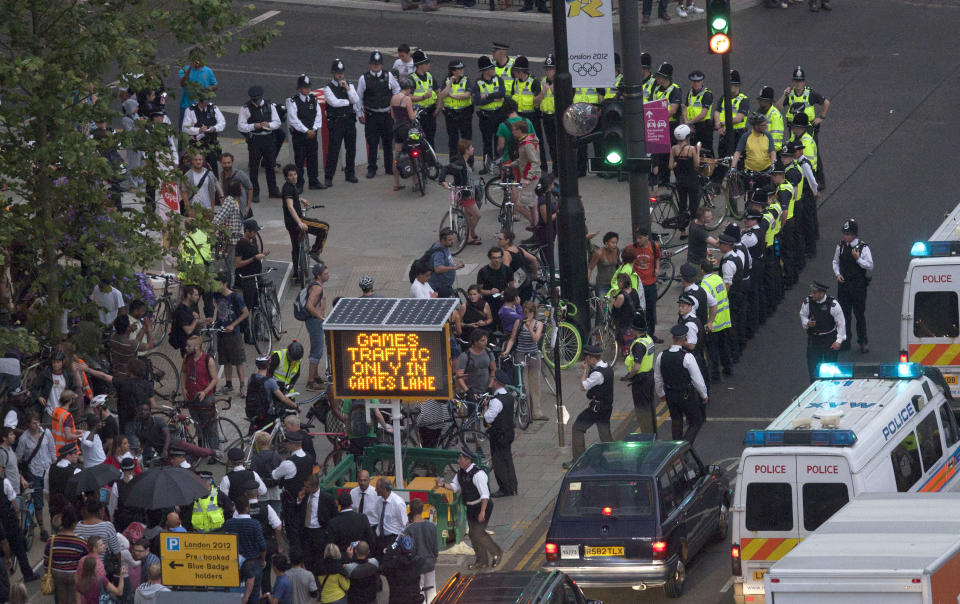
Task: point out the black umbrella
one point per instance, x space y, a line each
165 487
94 477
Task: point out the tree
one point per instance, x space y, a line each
60 233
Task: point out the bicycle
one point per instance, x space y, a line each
709 192
183 427
456 220
668 272
162 311
28 520
505 215
274 428
604 332
162 374
740 186
665 219
558 328
497 190
303 250
521 401
265 319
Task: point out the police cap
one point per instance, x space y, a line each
646 60
303 80
255 92
696 76
455 64
685 299
235 454
550 61
639 321
593 351
800 120
727 239
850 226
798 74
753 215
665 70
818 287
500 46
484 63
688 270
766 94
678 331
522 63
420 57
503 377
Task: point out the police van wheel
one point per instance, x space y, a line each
674 585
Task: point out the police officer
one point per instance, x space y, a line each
647 81
375 89
234 481
678 382
425 95
822 318
343 107
203 122
771 210
733 270
498 417
457 100
528 92
720 332
597 382
292 473
695 342
304 120
548 112
257 121
639 361
753 239
794 258
739 108
665 88
488 94
473 485
704 304
287 368
766 108
698 113
591 96
615 91
208 512
503 64
852 263
800 98
270 524
809 220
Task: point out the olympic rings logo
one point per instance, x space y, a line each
587 69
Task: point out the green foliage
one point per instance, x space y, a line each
60 233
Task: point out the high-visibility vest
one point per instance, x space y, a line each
713 283
809 148
489 88
799 103
772 217
775 126
695 104
424 85
626 269
586 95
58 427
615 89
505 73
735 108
646 363
548 104
664 93
522 93
207 513
647 86
797 191
87 390
457 88
286 371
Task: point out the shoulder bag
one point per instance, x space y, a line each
46 582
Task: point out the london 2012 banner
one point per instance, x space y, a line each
590 43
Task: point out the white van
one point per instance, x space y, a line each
858 428
930 311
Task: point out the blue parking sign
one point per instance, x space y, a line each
173 544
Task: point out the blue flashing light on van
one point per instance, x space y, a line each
841 371
815 438
928 249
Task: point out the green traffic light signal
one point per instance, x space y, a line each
719 24
614 158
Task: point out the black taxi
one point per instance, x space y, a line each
632 513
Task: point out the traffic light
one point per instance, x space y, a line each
718 26
612 139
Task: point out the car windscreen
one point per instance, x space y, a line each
624 497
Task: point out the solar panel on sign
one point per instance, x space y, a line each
412 311
360 311
364 313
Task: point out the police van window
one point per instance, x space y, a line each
906 463
935 315
928 433
949 424
769 506
822 500
667 502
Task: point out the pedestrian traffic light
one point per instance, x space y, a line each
612 140
718 26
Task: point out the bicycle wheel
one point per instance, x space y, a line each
161 320
571 344
665 277
605 337
521 411
547 373
28 524
162 374
665 218
736 192
459 226
273 315
420 173
229 431
332 459
303 262
493 190
477 443
710 198
262 338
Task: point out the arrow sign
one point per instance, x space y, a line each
175 565
199 560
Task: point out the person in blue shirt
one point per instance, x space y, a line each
282 589
443 266
194 77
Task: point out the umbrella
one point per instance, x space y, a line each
165 487
94 477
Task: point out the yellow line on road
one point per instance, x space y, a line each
535 549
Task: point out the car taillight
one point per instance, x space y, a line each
774 580
659 550
915 581
735 559
607 511
653 200
550 549
903 356
415 153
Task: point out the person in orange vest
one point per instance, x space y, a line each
63 427
74 364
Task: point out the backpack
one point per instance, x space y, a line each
257 402
358 419
423 260
300 312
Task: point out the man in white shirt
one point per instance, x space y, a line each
203 122
391 515
363 498
853 266
257 122
36 449
822 318
236 469
498 416
8 460
375 89
420 288
597 383
676 378
293 472
343 107
304 119
473 483
110 301
321 507
90 443
403 66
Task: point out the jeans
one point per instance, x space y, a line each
650 297
315 329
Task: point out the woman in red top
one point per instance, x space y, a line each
121 447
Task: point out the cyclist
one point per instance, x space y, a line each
366 287
263 394
756 147
461 169
297 226
198 377
287 368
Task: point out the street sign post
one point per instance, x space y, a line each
199 559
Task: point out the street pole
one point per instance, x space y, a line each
555 299
728 140
632 91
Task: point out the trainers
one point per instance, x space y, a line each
696 10
681 12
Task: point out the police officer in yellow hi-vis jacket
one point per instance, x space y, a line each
639 361
488 94
425 95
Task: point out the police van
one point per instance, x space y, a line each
857 428
930 312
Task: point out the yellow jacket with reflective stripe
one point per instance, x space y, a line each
286 371
646 363
424 86
713 283
772 218
797 103
505 73
207 513
586 95
457 88
489 88
797 192
647 86
522 93
695 105
775 126
548 104
664 93
809 147
735 105
615 89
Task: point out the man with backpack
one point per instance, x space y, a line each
442 264
263 394
360 432
310 307
364 574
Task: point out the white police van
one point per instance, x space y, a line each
857 428
930 311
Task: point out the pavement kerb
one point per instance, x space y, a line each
385 9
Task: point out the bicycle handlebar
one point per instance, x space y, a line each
164 276
269 270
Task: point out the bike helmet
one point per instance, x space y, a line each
405 543
681 132
757 118
366 283
263 361
295 350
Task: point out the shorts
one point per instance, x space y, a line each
230 349
528 194
315 329
468 202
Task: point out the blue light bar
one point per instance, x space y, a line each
815 438
925 249
844 371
